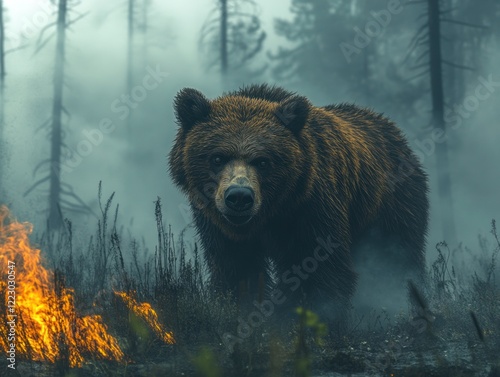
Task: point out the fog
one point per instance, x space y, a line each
134 164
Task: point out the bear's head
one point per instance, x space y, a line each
239 159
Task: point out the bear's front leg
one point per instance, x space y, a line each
315 270
238 267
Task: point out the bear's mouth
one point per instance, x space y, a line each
238 220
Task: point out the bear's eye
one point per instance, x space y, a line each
217 160
262 163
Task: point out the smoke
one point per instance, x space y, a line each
135 165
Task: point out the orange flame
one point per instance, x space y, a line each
46 323
147 313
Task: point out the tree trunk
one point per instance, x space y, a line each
223 38
55 218
2 103
442 160
130 66
367 73
145 27
456 53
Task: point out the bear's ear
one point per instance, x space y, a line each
191 107
293 113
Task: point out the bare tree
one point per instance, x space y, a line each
130 44
61 195
144 27
442 157
231 37
4 154
2 63
55 219
223 36
130 53
2 98
137 24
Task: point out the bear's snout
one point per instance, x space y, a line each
239 198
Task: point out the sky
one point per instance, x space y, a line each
134 165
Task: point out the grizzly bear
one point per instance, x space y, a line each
281 188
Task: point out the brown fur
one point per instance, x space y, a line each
334 171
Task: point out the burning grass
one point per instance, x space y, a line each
116 277
147 313
88 309
47 324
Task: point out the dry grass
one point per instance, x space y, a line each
451 328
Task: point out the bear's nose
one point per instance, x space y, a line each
239 198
